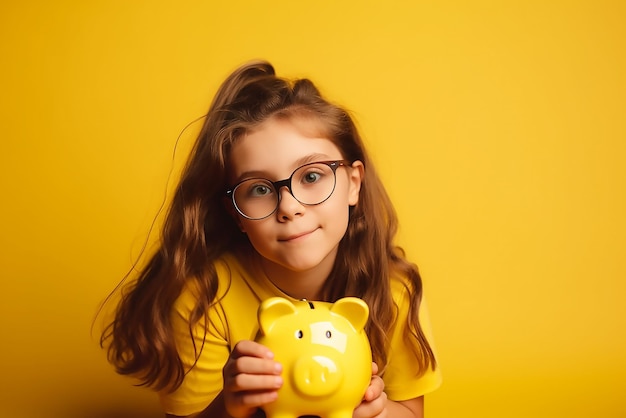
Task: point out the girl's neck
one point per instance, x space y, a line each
306 284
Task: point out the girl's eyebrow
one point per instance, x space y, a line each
311 158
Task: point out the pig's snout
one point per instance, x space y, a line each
316 376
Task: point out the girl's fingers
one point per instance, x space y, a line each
255 399
250 382
252 358
251 378
244 403
376 386
247 348
374 408
374 368
375 389
253 365
251 368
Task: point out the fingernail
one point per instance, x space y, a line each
278 367
278 381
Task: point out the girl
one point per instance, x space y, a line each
278 198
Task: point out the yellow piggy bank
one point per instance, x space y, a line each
325 354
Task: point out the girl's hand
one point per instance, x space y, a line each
251 379
374 402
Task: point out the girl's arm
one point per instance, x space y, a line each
381 407
375 402
413 408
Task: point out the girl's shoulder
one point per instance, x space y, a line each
226 267
403 295
401 287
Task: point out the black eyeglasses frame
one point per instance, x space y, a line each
279 184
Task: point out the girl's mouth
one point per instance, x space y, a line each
296 237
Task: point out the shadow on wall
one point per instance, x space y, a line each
112 412
92 410
101 403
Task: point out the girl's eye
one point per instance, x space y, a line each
259 190
299 334
311 177
328 334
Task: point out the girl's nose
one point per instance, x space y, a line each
288 207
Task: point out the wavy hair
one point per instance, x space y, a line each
198 229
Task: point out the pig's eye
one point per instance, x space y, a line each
328 334
299 334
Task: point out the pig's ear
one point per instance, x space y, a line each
271 309
355 310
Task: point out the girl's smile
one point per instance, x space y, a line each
296 237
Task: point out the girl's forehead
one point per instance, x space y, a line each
276 148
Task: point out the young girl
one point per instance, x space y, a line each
278 198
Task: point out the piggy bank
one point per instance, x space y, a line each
325 354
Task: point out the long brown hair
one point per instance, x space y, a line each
198 229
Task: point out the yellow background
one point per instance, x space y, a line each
498 126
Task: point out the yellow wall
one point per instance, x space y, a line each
499 126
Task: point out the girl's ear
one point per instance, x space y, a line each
233 213
357 173
239 224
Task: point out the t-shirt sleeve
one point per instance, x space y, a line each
203 381
402 378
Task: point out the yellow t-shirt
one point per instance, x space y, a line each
234 318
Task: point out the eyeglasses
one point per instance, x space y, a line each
310 184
